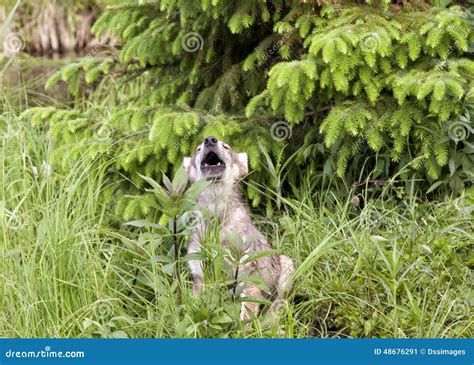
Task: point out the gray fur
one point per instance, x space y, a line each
222 199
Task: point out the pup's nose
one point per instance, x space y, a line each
210 141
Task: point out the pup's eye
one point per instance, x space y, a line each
226 146
199 149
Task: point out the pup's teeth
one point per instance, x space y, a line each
206 165
218 164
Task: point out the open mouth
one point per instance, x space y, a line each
212 165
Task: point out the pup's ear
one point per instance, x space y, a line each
186 163
244 160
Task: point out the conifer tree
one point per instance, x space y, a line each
372 89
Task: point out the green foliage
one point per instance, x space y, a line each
377 93
291 85
396 90
143 141
391 270
371 90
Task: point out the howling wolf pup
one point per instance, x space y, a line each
215 161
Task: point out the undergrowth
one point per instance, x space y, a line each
390 269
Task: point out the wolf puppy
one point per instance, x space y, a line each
214 160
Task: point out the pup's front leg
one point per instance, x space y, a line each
195 266
250 291
198 276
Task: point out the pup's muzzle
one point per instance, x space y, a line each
212 164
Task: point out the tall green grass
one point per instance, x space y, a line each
392 269
52 270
